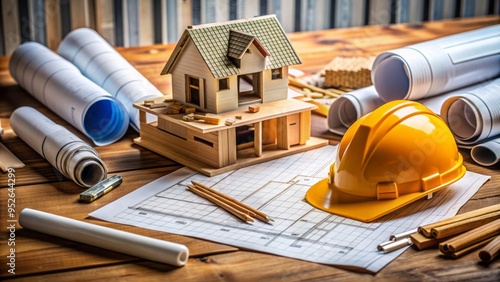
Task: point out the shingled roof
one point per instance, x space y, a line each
212 41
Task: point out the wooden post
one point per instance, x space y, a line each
142 116
257 138
304 127
282 133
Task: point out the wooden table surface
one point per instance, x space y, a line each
40 186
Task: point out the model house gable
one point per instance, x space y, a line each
246 52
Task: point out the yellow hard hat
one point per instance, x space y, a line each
389 158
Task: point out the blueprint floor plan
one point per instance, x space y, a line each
278 188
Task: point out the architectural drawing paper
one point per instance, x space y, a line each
277 188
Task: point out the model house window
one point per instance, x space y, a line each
277 73
193 90
223 84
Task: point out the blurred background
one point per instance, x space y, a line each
144 22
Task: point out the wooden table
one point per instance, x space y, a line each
40 186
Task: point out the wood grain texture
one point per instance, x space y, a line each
39 186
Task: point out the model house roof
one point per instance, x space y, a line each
215 42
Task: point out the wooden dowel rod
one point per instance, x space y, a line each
469 249
490 251
422 242
240 215
426 229
472 236
462 226
259 214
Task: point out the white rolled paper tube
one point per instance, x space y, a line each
351 106
473 116
101 63
437 66
61 87
71 156
487 153
105 237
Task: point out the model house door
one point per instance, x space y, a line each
294 129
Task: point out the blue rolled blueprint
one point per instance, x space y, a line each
102 64
61 87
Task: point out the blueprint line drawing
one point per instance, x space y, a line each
277 188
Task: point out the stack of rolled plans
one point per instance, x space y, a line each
102 64
71 156
438 66
474 119
61 87
452 76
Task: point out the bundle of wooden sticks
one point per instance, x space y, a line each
461 234
233 206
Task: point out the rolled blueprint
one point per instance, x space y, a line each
438 66
105 237
71 156
351 106
61 87
487 153
474 116
101 63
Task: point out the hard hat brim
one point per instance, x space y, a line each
320 196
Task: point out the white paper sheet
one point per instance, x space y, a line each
61 87
102 64
278 188
71 156
438 66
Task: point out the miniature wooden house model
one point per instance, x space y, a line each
234 76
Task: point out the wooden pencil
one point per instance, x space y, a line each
228 201
427 229
462 226
241 215
258 214
490 251
471 237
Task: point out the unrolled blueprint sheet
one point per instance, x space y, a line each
278 188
